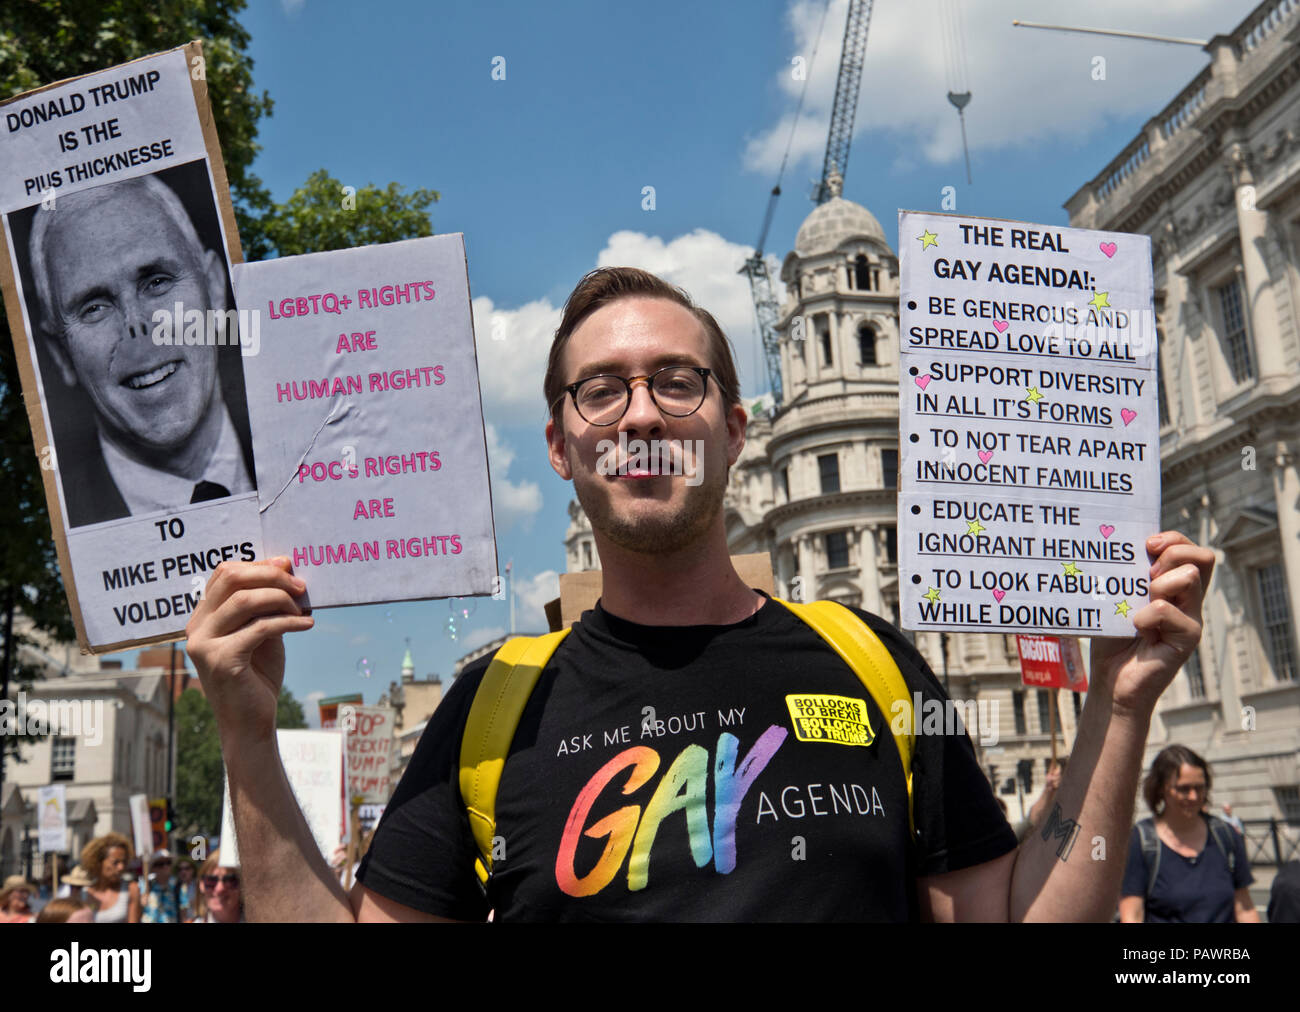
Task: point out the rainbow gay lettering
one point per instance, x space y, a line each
684 788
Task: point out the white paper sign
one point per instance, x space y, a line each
141 824
1028 430
114 222
52 819
371 461
313 763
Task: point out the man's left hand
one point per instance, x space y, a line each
1137 671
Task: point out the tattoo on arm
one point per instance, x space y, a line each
1066 829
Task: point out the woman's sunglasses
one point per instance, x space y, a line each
211 881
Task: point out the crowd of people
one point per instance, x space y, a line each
111 885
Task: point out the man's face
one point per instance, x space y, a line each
654 513
111 263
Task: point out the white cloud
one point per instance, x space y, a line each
513 502
512 348
1029 86
531 596
292 6
707 266
475 638
513 344
311 709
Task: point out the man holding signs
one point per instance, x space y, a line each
676 695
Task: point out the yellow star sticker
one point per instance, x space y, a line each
1071 569
928 239
1100 300
975 527
1123 608
1032 395
932 596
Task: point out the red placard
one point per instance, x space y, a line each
1051 662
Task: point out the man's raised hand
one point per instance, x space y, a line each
235 637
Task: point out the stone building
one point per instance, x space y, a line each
1214 179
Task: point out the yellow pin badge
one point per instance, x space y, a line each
840 720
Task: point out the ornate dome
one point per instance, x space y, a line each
834 222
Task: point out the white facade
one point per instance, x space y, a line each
1214 179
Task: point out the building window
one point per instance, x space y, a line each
824 339
1160 377
1018 709
1288 799
891 545
1277 632
785 482
866 345
63 759
889 468
586 555
1195 679
829 467
861 274
837 550
1025 771
1236 344
1044 711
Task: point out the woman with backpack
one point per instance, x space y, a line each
1184 865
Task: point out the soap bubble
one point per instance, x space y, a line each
462 607
451 629
363 667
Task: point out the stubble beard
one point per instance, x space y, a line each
662 532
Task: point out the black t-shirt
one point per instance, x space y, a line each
1190 890
662 773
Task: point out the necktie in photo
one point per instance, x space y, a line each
206 490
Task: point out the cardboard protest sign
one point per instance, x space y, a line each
312 763
119 235
1028 429
1052 662
368 749
371 461
52 819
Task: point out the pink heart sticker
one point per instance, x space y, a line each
1000 325
985 456
1108 248
998 595
1106 530
1127 415
923 381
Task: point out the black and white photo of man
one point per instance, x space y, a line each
167 428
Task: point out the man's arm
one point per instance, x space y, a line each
1244 907
1070 869
236 640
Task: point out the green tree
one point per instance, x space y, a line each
288 711
199 767
323 214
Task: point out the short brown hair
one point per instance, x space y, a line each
609 284
1164 769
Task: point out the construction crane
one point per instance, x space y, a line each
838 141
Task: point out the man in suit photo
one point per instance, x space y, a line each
106 263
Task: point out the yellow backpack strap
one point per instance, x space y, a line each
875 667
493 718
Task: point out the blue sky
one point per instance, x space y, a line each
544 173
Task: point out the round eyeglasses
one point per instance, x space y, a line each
677 390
